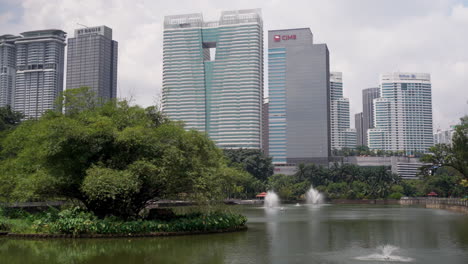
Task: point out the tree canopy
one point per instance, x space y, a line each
113 157
454 155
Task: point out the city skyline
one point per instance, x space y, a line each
370 48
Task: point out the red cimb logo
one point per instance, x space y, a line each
288 37
277 38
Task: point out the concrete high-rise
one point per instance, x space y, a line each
403 113
213 75
358 124
299 94
39 71
339 114
368 96
92 61
7 68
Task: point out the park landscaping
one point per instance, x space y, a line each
110 159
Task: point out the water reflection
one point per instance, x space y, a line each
297 234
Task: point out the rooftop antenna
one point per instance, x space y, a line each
82 25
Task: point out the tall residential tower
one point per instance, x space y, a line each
341 134
92 61
299 91
39 71
7 69
213 75
403 113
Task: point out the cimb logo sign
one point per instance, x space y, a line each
278 38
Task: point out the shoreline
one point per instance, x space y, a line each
153 234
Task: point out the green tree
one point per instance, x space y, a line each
9 118
252 160
113 158
455 155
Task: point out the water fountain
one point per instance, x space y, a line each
385 255
313 196
271 200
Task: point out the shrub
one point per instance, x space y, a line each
395 195
75 221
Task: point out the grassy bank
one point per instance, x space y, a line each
76 222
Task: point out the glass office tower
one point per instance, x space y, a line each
213 75
92 61
299 98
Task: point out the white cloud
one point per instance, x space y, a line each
365 38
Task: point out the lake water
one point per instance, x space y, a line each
292 234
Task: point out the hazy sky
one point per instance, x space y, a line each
365 38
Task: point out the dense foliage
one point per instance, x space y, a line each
112 157
455 155
253 161
76 221
339 181
9 118
447 174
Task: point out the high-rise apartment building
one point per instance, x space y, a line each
350 138
213 75
7 69
39 71
368 96
403 113
444 136
358 124
92 61
339 114
299 98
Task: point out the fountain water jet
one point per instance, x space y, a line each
271 200
313 196
385 255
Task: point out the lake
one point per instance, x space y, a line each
290 234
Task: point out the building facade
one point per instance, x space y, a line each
368 96
92 61
265 129
299 98
39 71
213 75
403 114
444 136
7 69
350 138
358 124
339 114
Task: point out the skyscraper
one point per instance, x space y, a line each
403 113
339 114
368 96
7 69
265 128
299 94
92 61
213 75
358 124
39 71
